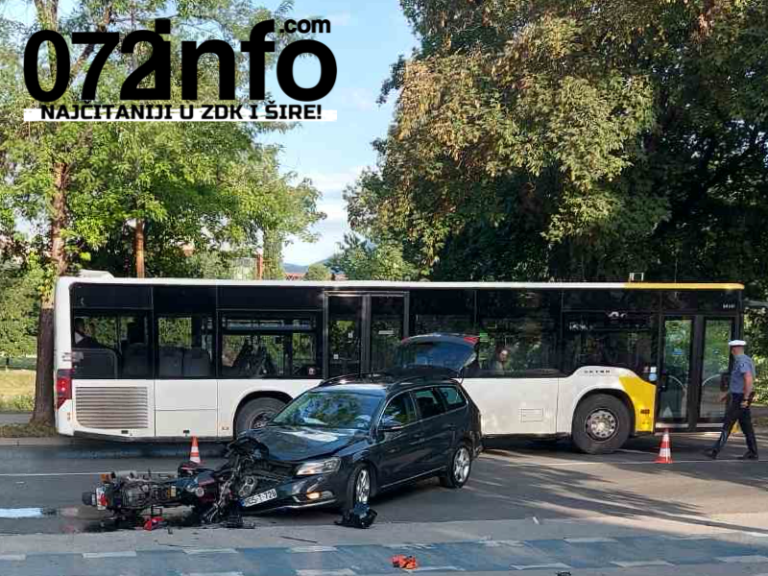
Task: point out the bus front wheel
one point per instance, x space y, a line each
256 413
600 424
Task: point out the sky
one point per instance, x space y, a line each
367 37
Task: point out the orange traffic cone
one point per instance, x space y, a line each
665 452
194 454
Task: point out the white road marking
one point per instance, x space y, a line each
641 563
756 534
213 574
409 546
124 554
437 569
536 521
16 513
307 549
742 559
498 543
13 557
557 565
210 551
478 481
342 572
595 540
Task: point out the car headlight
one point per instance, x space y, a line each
328 466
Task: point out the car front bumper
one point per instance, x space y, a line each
301 492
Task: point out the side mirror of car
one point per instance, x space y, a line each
390 425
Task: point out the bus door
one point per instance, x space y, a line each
362 331
716 357
676 367
694 355
186 389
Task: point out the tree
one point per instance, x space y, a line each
577 140
82 183
273 256
18 302
361 259
318 272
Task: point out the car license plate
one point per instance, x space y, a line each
260 498
99 495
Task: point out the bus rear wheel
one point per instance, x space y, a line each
600 424
256 413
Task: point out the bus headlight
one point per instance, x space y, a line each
328 466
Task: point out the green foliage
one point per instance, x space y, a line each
273 256
201 183
21 403
360 259
318 272
19 302
577 141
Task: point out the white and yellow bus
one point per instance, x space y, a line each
168 359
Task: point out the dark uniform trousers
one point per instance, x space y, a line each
735 413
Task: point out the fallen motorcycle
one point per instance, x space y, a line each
212 494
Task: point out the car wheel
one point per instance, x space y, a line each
256 413
359 486
600 424
459 469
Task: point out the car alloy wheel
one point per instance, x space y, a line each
461 464
362 486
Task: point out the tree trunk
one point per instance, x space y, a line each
138 248
43 411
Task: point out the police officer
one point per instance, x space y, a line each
739 395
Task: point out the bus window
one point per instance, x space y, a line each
111 346
518 333
185 347
447 311
264 347
620 339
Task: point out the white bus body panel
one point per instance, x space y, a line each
583 381
511 406
62 351
515 405
233 392
186 407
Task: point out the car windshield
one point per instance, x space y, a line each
330 409
450 355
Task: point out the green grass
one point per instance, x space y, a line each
26 431
17 390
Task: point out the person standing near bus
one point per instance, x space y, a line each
739 395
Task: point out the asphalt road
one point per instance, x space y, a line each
519 480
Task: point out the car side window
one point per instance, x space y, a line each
429 404
452 397
399 412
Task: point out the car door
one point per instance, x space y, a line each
400 440
437 428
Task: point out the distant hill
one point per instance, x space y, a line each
294 268
299 268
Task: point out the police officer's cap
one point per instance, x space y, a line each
737 343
